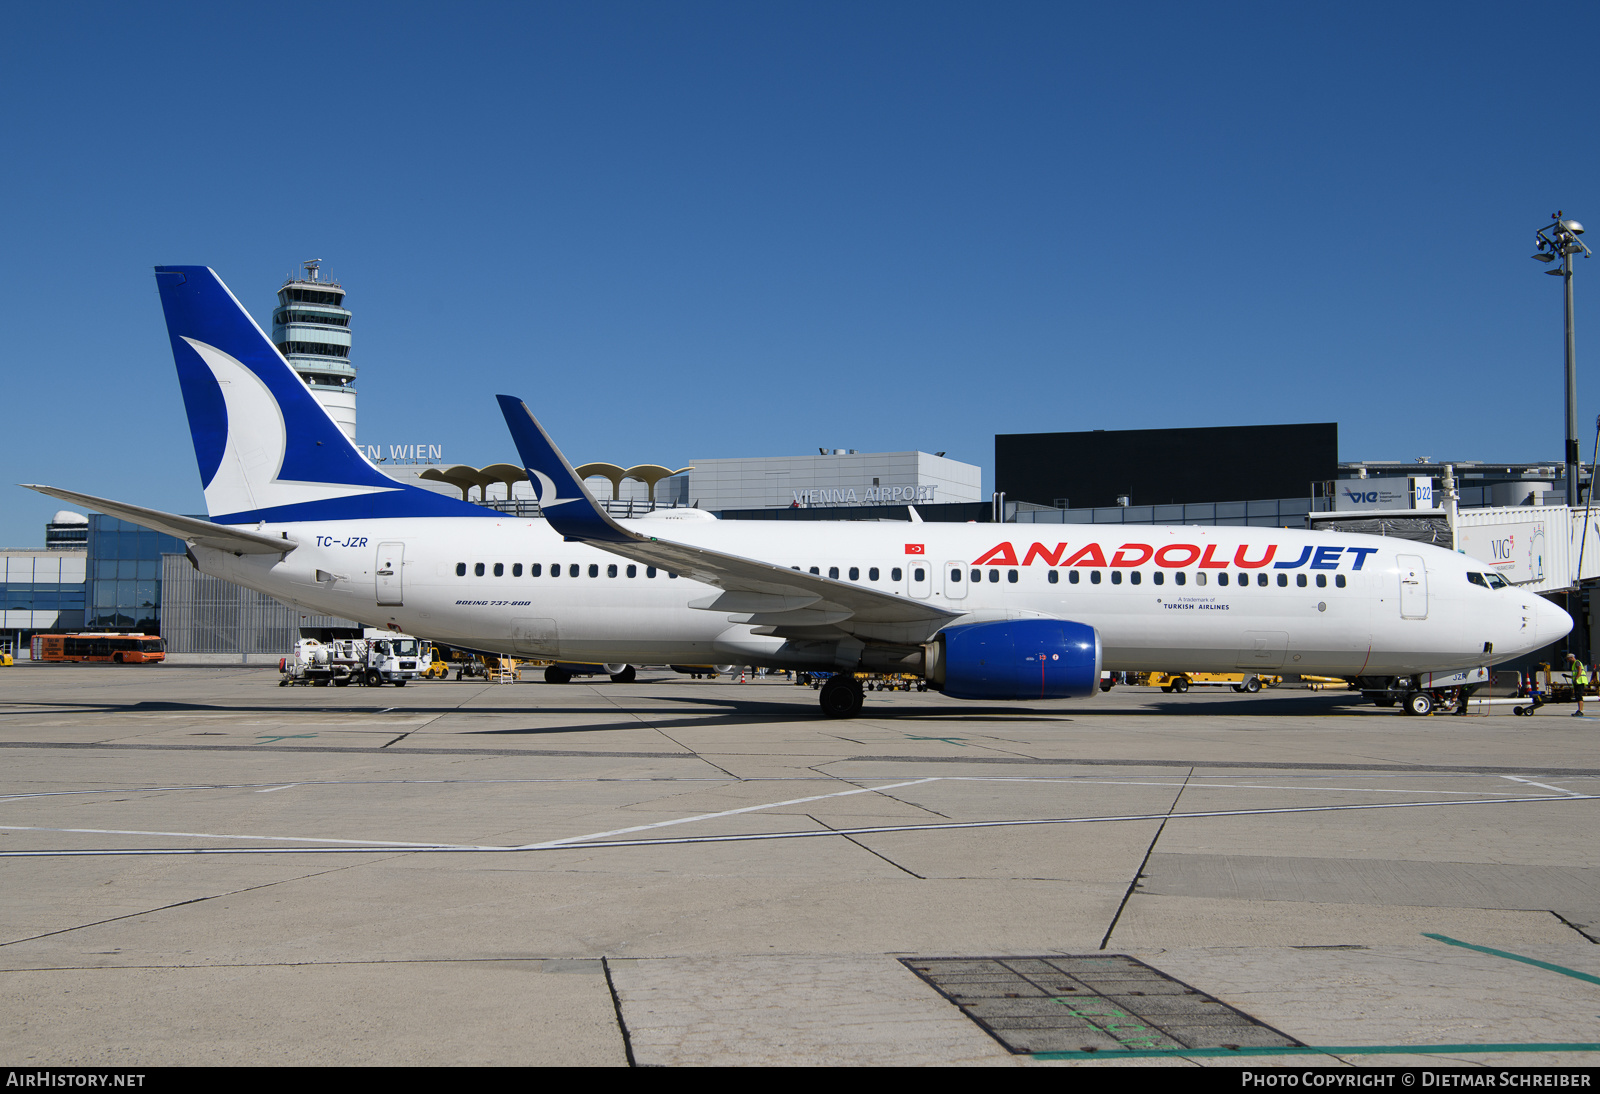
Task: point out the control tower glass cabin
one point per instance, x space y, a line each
312 330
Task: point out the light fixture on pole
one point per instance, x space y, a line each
1559 239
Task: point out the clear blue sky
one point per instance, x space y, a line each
686 230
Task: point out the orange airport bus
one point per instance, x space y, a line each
130 648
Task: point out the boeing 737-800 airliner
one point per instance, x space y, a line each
981 611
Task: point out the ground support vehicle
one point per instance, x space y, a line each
313 663
435 666
489 667
6 656
1244 682
374 661
895 681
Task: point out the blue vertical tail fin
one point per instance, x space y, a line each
267 450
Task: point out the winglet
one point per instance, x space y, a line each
565 501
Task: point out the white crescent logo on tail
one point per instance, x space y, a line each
247 477
548 494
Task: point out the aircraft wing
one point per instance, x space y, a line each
190 529
767 594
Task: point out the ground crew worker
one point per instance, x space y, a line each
1580 681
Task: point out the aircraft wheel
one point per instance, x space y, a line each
626 676
1252 685
1181 684
841 697
556 675
1419 703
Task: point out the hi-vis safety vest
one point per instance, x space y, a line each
1580 674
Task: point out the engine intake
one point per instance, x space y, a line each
1016 659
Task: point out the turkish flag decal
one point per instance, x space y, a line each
915 549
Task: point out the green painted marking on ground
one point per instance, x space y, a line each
1316 1050
1562 969
288 737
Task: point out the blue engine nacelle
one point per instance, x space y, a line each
1016 659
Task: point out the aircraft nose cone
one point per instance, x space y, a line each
1550 623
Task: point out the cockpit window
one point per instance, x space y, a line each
1498 582
1478 579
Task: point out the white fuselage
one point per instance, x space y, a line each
1333 604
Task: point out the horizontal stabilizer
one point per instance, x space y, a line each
191 530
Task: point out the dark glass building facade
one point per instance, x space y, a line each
124 575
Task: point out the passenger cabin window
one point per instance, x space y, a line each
1283 580
1135 577
461 569
872 574
477 569
815 570
955 576
894 574
1222 578
1338 579
1072 576
649 571
833 572
855 573
1261 579
516 569
499 569
633 571
1094 577
1200 578
572 571
1159 578
1179 578
1322 581
1055 576
611 570
1300 580
535 570
1116 577
594 569
1011 576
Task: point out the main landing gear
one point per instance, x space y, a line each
841 696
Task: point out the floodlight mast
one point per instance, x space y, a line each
1559 239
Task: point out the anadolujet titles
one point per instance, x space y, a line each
982 611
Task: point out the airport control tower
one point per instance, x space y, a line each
312 330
